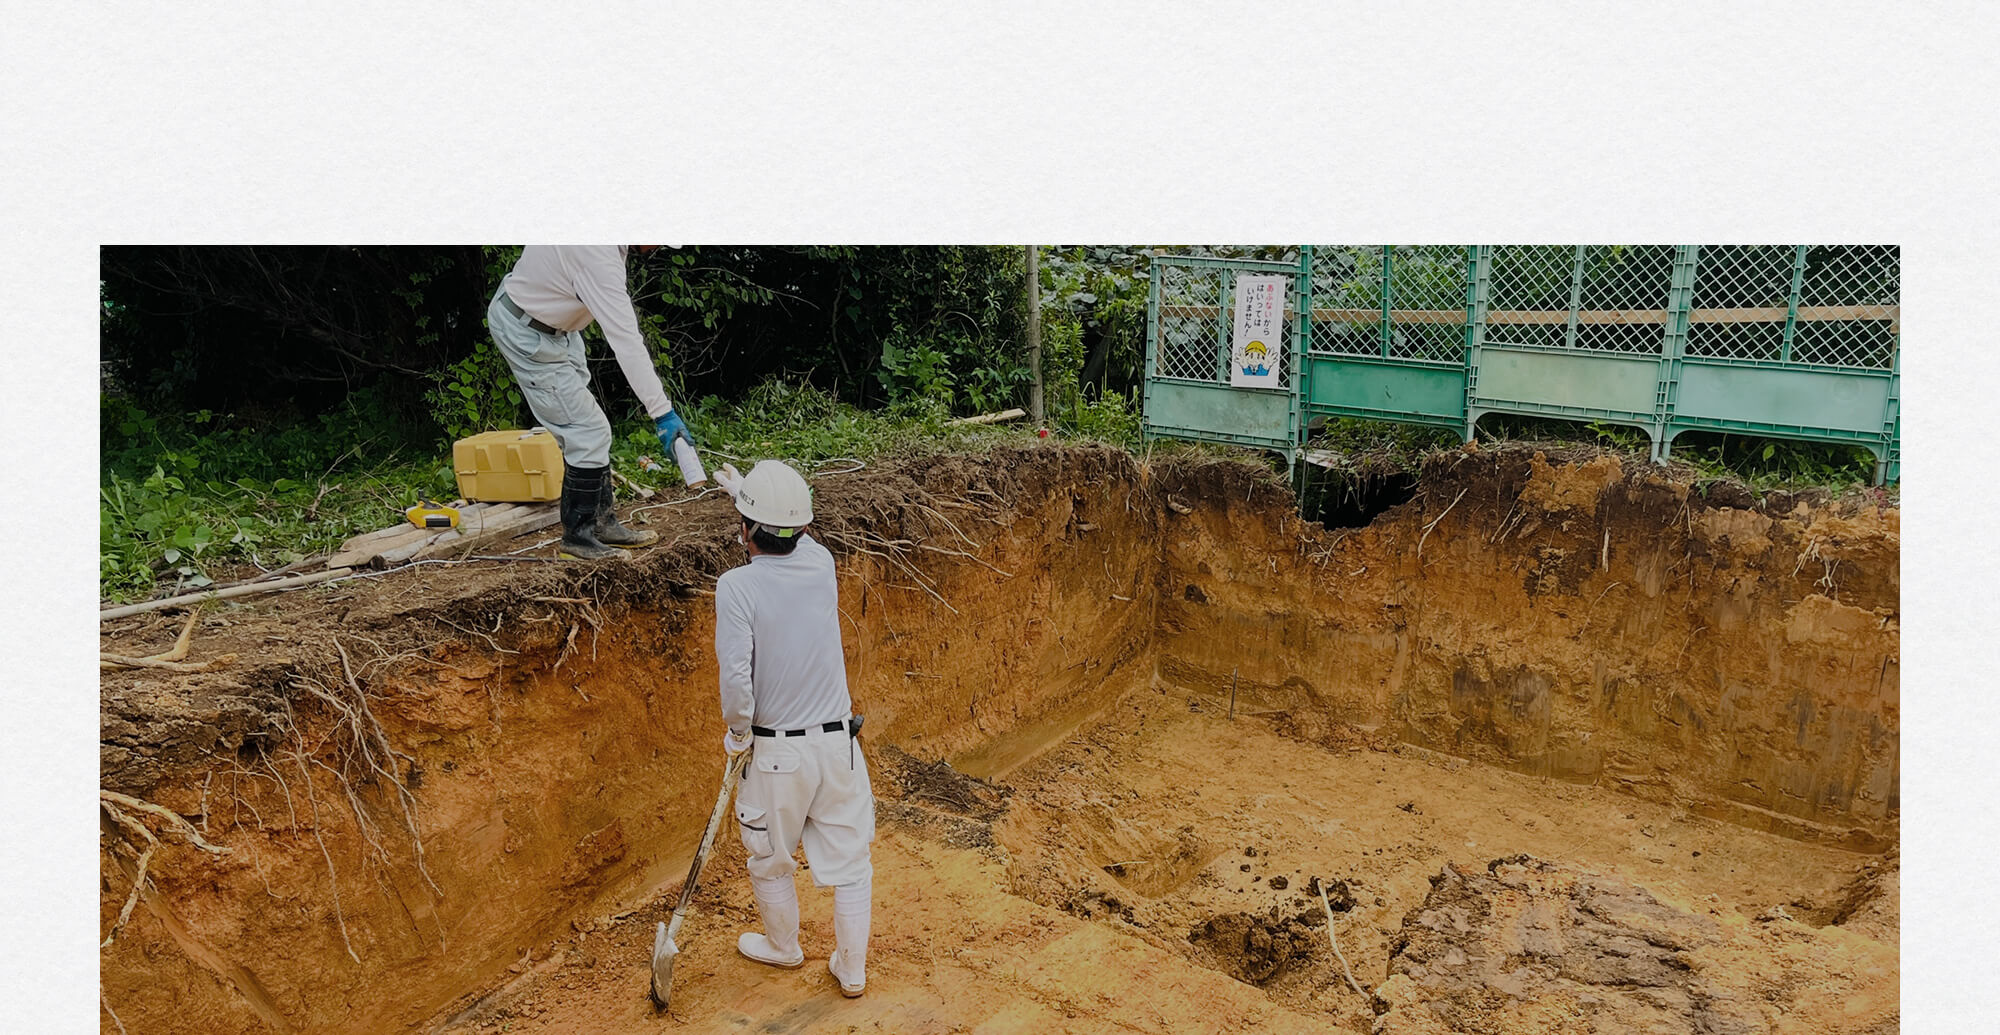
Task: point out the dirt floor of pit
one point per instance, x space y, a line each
1155 873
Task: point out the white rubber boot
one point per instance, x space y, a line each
778 945
852 904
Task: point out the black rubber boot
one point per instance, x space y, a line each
581 488
610 531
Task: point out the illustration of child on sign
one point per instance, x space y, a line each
1256 359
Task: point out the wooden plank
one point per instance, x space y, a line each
528 519
403 550
992 418
1807 313
1319 458
380 535
495 516
368 551
402 541
470 511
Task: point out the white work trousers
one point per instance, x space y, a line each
812 789
555 380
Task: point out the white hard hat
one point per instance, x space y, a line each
775 496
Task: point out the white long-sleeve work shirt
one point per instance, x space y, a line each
568 286
777 641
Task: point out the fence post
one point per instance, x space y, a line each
1792 303
1151 371
1575 297
1225 314
1386 291
1680 297
1890 468
1301 344
1478 293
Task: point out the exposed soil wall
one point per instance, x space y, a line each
562 769
552 732
1581 621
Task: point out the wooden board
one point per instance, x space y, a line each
524 519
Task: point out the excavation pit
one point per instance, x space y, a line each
1124 719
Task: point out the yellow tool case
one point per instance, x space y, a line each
508 466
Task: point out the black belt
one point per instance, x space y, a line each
514 308
826 727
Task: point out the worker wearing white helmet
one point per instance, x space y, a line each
784 698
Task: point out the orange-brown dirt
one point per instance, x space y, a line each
1571 745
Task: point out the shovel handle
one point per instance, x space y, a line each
730 771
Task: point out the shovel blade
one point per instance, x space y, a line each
664 952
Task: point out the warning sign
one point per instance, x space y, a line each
1256 353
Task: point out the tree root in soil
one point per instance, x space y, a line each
170 660
1335 942
115 806
361 754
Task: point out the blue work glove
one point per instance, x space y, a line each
670 426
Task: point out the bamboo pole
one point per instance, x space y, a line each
221 594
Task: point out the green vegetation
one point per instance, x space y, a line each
186 503
182 499
260 405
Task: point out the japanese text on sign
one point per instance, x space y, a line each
1256 351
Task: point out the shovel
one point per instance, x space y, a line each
664 948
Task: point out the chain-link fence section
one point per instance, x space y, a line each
1795 341
1611 298
1191 328
1196 318
1849 312
1347 299
1401 301
1819 305
1742 297
1427 302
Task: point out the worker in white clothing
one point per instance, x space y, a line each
784 698
537 318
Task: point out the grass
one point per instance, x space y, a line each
187 502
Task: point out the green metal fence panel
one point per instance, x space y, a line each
1578 385
1796 341
1219 413
1386 332
1189 321
1360 386
1839 404
1574 331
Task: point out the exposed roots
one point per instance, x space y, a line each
360 756
115 806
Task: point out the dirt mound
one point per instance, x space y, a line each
1255 949
1870 903
936 784
1528 946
